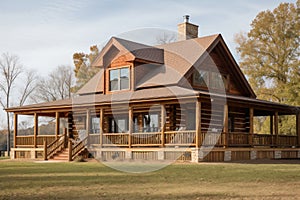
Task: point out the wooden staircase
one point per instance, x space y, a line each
61 156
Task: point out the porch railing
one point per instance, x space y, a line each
94 138
25 141
119 139
238 139
41 138
54 147
77 148
28 140
263 140
180 138
146 139
174 138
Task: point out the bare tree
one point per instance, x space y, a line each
166 38
56 86
11 73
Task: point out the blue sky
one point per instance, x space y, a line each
45 34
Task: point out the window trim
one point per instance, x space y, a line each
119 78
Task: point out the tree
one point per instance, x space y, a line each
56 86
270 51
83 69
166 38
269 55
11 71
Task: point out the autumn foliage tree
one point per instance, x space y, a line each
83 69
269 56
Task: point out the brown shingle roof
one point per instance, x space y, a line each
94 85
179 57
118 97
132 50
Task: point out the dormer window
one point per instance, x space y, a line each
119 79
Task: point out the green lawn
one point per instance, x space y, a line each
92 180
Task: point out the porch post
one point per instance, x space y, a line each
251 130
15 129
198 123
101 126
276 128
271 124
225 125
162 125
298 127
88 125
130 125
70 125
56 125
35 130
88 122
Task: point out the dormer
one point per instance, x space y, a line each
117 62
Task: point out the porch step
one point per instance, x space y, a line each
63 155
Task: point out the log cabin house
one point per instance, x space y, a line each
186 100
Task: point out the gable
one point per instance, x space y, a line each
219 60
131 51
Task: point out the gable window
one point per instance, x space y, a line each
218 80
119 79
210 79
201 78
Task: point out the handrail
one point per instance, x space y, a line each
54 147
75 149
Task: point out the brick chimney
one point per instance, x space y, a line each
187 30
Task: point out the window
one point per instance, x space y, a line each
119 79
150 123
218 81
210 79
95 125
118 125
201 78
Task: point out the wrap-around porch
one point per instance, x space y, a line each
168 124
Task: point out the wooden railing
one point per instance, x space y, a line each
119 139
146 139
287 140
173 138
56 146
238 139
212 139
77 148
28 140
263 140
25 141
177 138
94 139
41 138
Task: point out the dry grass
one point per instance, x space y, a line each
28 180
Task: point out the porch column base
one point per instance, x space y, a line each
277 154
32 154
161 155
298 153
98 154
253 155
12 153
227 156
128 155
196 155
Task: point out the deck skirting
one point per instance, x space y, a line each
194 154
176 154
